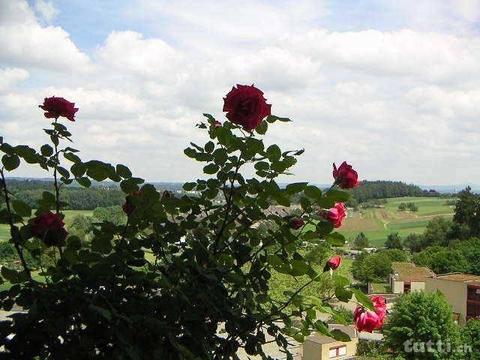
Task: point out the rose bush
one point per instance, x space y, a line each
186 277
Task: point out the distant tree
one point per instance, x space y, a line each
470 249
394 241
412 207
437 232
113 214
421 317
371 268
80 226
414 242
467 211
402 207
471 336
442 260
394 254
360 242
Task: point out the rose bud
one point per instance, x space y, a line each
335 215
296 223
345 176
217 124
56 106
246 106
333 263
50 228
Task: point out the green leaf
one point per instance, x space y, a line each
338 195
46 150
313 192
78 169
262 128
189 186
343 294
209 147
84 181
72 157
363 299
211 169
273 153
295 188
123 171
14 276
10 162
299 268
262 166
21 208
273 118
336 239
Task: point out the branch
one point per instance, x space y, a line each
13 228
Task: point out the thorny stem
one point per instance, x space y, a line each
13 228
56 185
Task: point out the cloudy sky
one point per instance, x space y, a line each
391 86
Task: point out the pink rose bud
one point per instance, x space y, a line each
56 106
246 106
296 223
345 176
333 263
336 215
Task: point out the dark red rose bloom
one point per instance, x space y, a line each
56 106
50 228
345 176
296 223
128 207
246 106
333 263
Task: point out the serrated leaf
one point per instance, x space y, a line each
21 208
10 162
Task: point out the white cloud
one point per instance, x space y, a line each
25 42
10 76
46 9
398 104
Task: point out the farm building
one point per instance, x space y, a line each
321 347
406 277
462 291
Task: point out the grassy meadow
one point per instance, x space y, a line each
378 223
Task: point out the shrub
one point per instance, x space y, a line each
182 278
421 318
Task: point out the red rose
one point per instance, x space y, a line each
333 263
128 207
50 228
345 176
296 223
336 214
57 106
246 106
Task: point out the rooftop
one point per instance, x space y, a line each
459 277
406 271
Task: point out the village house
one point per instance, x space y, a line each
407 277
462 292
321 347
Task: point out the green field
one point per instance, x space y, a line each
378 223
69 215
